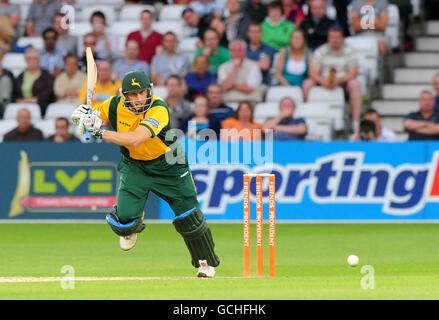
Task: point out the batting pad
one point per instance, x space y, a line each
123 230
193 228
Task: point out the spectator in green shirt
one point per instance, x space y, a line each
216 54
276 31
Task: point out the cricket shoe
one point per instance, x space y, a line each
205 271
126 243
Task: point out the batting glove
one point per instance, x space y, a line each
79 113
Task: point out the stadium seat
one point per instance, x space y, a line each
171 12
24 11
335 98
416 4
11 110
80 28
393 28
36 42
331 12
187 46
368 55
21 2
56 110
47 126
123 28
6 126
132 12
14 62
265 110
160 91
318 120
233 105
108 11
277 93
164 26
113 3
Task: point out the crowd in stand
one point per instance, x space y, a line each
242 49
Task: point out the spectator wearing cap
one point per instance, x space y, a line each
24 131
216 54
335 64
199 80
40 17
34 84
168 61
205 7
65 41
276 30
149 40
69 83
131 61
52 57
259 52
316 25
423 124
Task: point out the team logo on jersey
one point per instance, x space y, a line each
153 122
134 83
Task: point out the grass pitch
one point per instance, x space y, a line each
311 263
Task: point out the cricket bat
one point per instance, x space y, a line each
92 76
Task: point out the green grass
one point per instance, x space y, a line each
311 262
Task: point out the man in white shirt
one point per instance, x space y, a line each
240 78
382 134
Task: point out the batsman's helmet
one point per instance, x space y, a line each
136 81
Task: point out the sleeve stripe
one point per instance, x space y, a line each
150 129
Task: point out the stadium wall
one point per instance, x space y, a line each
337 181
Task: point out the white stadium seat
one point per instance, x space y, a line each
132 12
160 91
14 62
113 3
277 93
47 126
187 46
6 126
366 49
164 26
109 13
335 98
123 28
12 109
171 12
21 2
36 42
56 110
80 28
265 110
318 120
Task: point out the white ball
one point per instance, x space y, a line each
353 260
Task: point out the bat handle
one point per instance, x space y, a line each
88 133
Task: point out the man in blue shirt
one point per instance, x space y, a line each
259 52
218 110
52 57
198 80
284 126
131 62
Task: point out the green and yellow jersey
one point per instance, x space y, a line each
156 119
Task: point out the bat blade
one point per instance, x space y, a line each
92 76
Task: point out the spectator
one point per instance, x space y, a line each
40 17
405 8
179 108
6 34
105 86
169 61
256 10
107 46
6 86
377 25
131 61
240 78
62 133
69 83
198 80
52 57
10 12
316 24
89 40
216 54
436 89
205 7
34 84
147 39
380 133
196 26
423 124
66 41
199 120
276 31
292 11
284 125
259 52
243 124
24 131
292 64
237 22
334 64
218 109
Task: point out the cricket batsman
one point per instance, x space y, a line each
140 122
